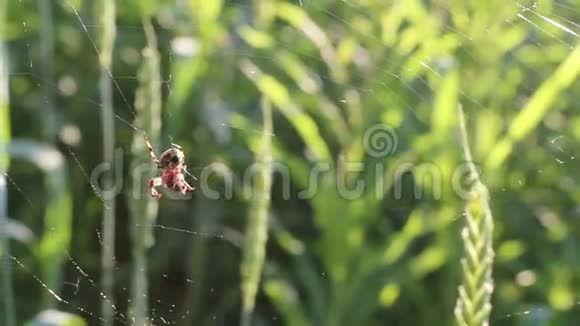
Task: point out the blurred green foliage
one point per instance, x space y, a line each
331 71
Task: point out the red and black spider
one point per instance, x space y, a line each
172 165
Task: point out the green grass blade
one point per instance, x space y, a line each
53 245
277 93
6 291
47 64
4 97
285 297
107 41
257 226
537 107
444 112
143 208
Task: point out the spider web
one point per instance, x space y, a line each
164 309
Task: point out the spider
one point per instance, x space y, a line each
172 165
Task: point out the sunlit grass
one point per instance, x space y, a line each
474 306
330 72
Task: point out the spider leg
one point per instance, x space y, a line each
152 183
151 151
181 185
186 185
187 172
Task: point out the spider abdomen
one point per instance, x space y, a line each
171 158
172 165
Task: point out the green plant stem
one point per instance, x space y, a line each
197 271
257 228
107 117
52 261
143 208
474 302
6 292
46 57
6 283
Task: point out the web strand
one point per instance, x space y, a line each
54 295
99 55
84 172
